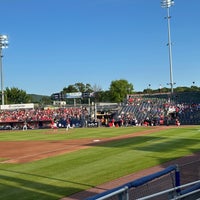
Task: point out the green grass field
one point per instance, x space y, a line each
60 176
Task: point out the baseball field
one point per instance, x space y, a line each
53 164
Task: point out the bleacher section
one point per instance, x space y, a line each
155 109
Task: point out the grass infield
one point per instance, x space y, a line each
56 177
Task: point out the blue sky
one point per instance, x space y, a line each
55 43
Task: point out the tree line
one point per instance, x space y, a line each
117 92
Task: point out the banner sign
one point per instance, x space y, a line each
17 106
74 95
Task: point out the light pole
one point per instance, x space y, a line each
167 4
3 44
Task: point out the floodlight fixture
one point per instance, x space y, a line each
167 4
3 41
3 45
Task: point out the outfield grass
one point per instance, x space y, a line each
56 177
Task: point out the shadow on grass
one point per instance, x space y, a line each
15 187
152 144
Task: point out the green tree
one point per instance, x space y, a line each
70 89
102 96
81 87
195 89
78 87
119 90
182 89
89 88
16 96
45 101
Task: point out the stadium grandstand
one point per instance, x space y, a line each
137 110
162 109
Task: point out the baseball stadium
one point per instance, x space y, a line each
87 144
135 150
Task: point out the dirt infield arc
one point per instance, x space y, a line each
28 151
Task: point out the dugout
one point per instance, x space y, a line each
18 125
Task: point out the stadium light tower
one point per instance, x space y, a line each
3 44
167 4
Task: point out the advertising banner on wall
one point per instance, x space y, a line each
17 106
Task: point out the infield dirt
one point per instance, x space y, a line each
28 151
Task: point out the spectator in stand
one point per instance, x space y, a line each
40 115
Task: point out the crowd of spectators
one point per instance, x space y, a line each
38 117
40 114
137 111
159 111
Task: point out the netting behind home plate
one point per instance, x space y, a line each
163 180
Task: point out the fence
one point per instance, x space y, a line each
170 183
